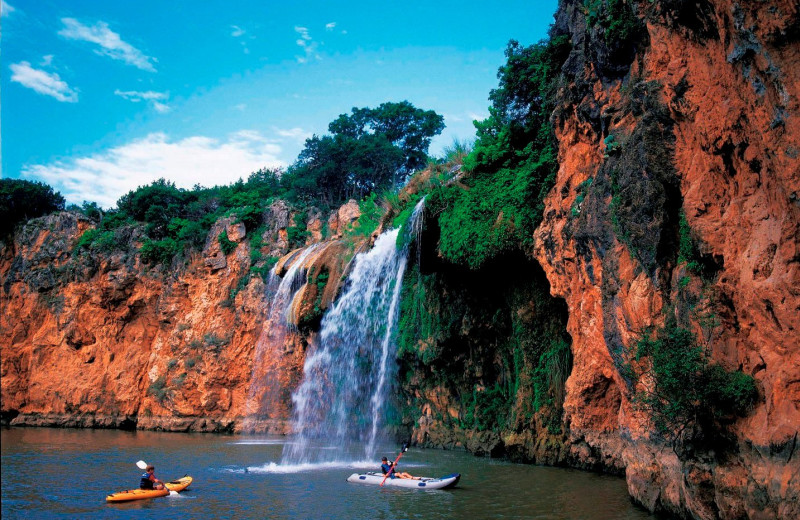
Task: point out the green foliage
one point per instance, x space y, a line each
616 17
226 245
216 342
457 151
686 389
688 251
158 389
311 320
406 127
178 381
159 251
612 145
486 409
259 265
512 165
297 236
499 331
401 219
22 200
582 189
368 150
369 220
550 377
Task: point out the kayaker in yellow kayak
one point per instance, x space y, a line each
149 480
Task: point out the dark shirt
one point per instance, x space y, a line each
385 468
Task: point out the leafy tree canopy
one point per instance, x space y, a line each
21 200
368 150
402 124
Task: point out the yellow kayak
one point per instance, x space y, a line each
140 494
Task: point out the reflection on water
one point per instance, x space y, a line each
52 473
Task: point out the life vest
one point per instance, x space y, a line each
146 483
385 468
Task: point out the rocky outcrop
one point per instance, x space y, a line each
700 121
102 340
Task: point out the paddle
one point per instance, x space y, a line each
402 450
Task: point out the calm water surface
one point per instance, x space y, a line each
54 473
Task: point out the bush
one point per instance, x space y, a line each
226 245
686 389
158 389
159 251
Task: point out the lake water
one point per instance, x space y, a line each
63 473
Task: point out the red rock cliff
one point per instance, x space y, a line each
698 114
105 341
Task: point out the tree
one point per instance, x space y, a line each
331 169
402 124
21 200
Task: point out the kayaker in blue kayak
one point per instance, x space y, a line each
386 467
149 480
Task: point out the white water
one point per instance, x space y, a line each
262 396
349 371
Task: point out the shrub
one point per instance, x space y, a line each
158 389
214 341
686 389
226 245
159 251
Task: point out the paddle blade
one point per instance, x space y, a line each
141 464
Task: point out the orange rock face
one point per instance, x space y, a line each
103 341
727 76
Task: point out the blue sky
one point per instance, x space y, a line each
99 97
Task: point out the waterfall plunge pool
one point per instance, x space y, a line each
242 477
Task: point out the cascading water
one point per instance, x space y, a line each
263 405
349 371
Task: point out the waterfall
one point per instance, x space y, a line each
264 406
350 369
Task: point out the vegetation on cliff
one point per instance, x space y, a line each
369 151
497 205
477 321
686 395
21 200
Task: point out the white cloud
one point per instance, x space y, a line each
154 98
6 8
330 26
46 60
106 176
306 43
477 117
43 82
238 32
296 133
110 43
